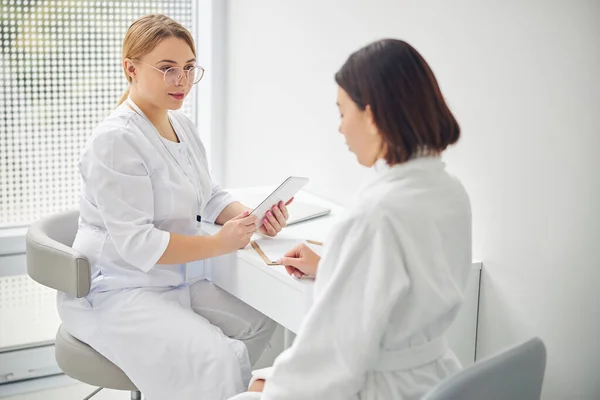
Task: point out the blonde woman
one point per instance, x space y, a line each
146 186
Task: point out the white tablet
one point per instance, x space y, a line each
284 192
300 212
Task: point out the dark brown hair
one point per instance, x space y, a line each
408 107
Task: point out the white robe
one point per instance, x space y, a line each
389 284
138 187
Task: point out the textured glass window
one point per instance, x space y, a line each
60 75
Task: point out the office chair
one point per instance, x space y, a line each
515 374
52 262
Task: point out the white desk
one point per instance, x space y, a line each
286 300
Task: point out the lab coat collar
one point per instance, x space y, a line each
136 108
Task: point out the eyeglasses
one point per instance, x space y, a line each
174 75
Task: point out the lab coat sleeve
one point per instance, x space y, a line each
339 342
219 199
120 185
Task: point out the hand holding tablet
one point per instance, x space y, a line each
284 192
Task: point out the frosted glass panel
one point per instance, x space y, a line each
60 75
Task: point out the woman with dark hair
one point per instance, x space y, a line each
392 277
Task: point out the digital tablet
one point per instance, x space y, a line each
300 212
284 192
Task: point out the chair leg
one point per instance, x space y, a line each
135 395
93 394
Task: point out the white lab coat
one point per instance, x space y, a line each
389 284
138 187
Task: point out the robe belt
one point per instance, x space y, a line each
411 357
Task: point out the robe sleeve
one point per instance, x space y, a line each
247 396
119 183
363 276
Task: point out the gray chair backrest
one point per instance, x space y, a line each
50 259
515 374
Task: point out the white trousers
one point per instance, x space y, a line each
190 342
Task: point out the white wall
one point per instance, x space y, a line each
523 78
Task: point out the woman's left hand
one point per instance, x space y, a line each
276 219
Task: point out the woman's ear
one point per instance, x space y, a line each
129 67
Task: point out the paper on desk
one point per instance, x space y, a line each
275 248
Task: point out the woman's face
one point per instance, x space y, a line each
359 129
149 79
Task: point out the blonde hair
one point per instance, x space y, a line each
145 34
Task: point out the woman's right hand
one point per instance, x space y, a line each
237 232
300 261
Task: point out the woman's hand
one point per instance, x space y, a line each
276 219
236 233
257 386
300 261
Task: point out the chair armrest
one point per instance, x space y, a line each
55 264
